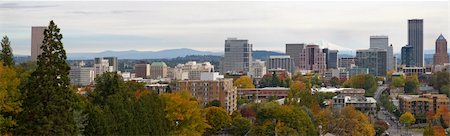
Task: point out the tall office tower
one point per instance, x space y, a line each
331 58
142 70
37 36
312 58
407 57
346 62
441 55
237 57
258 69
294 50
281 62
112 61
415 39
382 42
81 75
158 70
374 59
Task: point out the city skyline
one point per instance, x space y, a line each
150 25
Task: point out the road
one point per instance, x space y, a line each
395 128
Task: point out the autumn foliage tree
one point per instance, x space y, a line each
350 122
244 82
217 118
10 104
367 82
184 114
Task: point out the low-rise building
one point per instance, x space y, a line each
263 93
361 103
341 91
421 104
157 88
205 91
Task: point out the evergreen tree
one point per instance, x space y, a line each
6 56
48 100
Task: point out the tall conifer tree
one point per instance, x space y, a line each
48 100
6 55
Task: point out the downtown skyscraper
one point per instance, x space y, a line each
237 57
37 36
382 42
441 56
415 40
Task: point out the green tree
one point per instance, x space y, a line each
48 100
365 81
9 99
244 82
411 85
440 79
217 118
398 81
240 126
215 103
126 109
6 56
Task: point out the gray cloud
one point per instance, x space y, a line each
20 6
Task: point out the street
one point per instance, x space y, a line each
395 128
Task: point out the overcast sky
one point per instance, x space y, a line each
150 25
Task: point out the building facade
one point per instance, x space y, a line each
237 57
312 58
101 66
346 62
263 93
142 70
407 57
415 40
374 59
293 50
440 56
382 42
281 62
421 104
206 91
331 58
37 37
258 69
158 70
361 103
82 76
112 62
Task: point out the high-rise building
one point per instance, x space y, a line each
312 58
382 42
294 50
374 59
237 57
415 39
346 62
81 75
441 55
407 56
37 37
258 69
142 70
112 61
281 62
101 66
331 58
158 70
206 91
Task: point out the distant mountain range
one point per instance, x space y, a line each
132 54
182 52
